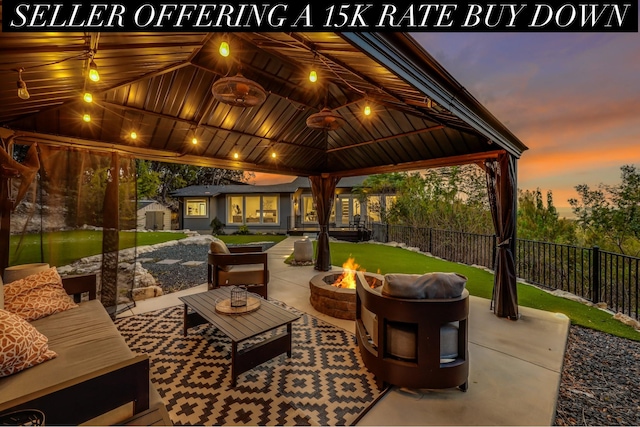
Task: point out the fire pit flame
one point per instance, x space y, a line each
348 277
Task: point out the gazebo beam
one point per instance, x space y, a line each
423 164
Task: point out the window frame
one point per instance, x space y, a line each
243 208
203 200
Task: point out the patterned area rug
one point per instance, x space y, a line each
323 383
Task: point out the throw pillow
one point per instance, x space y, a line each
21 345
38 295
219 247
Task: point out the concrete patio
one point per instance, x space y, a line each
515 367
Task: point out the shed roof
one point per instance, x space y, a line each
159 84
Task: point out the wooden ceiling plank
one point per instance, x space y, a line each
386 138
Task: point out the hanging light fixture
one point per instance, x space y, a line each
23 93
273 155
325 120
367 110
88 97
94 75
313 76
86 117
236 155
133 135
194 140
239 91
224 48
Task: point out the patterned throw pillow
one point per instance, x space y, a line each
21 345
38 295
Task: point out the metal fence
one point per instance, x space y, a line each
590 273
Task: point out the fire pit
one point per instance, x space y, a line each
334 292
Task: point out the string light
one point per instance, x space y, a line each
86 118
94 76
367 110
194 140
273 155
88 98
313 76
133 135
224 49
23 93
236 156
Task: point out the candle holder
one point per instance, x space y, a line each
238 296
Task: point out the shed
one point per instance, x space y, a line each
153 215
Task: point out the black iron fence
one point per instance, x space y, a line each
590 273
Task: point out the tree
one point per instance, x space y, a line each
168 177
453 198
539 222
609 216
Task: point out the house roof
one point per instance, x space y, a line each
290 187
144 203
160 85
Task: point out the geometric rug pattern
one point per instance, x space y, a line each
323 383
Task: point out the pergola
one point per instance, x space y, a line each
160 85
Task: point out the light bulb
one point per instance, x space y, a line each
224 49
313 76
133 135
87 97
236 156
94 76
367 110
23 93
86 118
273 155
194 140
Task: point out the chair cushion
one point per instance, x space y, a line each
248 274
217 246
401 341
430 285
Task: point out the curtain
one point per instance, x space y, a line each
501 188
82 206
323 189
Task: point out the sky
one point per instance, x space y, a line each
573 99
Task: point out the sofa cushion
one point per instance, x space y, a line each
217 246
21 345
38 295
244 274
429 285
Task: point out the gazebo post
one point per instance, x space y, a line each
6 205
323 188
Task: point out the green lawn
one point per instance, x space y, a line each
64 247
387 259
242 239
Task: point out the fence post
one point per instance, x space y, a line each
386 237
595 275
430 241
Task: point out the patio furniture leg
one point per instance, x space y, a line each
234 352
289 334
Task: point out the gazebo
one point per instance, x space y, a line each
379 103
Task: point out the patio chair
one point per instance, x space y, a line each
412 330
238 265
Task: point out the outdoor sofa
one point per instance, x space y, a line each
94 379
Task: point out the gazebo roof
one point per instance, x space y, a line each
159 84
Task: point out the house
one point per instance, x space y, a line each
279 208
152 215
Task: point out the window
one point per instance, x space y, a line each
196 207
309 213
252 210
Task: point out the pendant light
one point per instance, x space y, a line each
94 75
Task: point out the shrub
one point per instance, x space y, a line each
216 226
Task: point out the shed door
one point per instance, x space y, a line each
154 220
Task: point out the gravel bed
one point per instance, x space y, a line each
601 372
600 380
175 277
